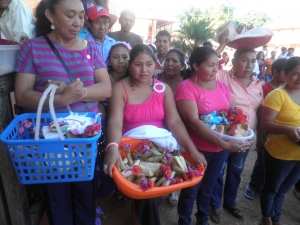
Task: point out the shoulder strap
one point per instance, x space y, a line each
126 95
63 63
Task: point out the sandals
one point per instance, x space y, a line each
249 194
215 215
297 193
173 199
234 211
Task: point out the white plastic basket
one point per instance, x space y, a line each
228 137
8 57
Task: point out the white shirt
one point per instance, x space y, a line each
17 22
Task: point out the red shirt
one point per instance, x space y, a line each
267 88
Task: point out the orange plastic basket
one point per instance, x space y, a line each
133 191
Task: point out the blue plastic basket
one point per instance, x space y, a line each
49 160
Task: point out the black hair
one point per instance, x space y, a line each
260 53
127 12
278 65
291 49
181 57
198 56
291 63
141 49
208 44
239 52
283 48
109 67
42 25
152 47
164 33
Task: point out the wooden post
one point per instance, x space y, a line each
14 207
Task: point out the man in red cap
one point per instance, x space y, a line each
127 20
99 22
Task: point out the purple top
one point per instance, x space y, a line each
36 57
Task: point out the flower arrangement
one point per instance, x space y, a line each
89 130
151 166
25 125
233 123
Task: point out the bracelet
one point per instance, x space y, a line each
110 144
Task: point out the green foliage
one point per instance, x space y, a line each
195 27
183 44
218 15
255 18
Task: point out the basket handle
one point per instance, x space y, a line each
51 88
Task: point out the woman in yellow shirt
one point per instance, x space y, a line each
281 119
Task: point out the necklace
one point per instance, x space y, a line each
132 85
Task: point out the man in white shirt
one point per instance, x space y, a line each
283 53
16 21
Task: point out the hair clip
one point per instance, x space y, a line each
126 44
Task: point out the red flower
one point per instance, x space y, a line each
188 176
150 183
162 168
92 130
176 180
168 173
199 169
146 184
136 170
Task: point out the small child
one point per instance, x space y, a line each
257 176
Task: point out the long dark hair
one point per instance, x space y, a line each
198 56
181 57
42 25
109 67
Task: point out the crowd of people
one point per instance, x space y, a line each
131 85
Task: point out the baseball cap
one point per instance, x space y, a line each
98 11
87 6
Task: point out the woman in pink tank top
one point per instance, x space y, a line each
141 100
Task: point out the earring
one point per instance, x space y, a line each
52 26
196 78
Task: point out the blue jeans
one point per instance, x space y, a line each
202 191
281 176
235 165
258 173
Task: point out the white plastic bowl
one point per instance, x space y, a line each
8 57
228 137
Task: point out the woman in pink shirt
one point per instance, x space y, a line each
201 94
140 100
246 90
